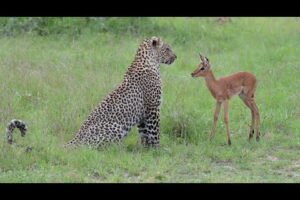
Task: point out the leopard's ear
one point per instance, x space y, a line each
156 41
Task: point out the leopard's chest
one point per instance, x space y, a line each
152 89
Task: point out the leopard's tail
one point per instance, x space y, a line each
15 123
72 144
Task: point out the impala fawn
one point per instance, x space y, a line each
241 83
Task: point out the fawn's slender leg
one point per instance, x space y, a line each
254 107
257 120
226 119
216 116
252 115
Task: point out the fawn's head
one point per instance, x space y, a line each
202 68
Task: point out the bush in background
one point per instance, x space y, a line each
12 26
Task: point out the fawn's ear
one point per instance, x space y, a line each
156 41
206 59
201 57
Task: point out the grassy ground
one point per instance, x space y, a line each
53 82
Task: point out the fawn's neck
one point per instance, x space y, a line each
211 82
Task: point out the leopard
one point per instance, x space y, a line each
136 101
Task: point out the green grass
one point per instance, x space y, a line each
53 82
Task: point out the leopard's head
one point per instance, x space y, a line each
163 50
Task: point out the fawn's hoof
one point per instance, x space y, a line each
257 137
251 134
229 142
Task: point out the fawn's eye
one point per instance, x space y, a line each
202 68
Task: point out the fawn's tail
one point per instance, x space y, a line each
15 123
